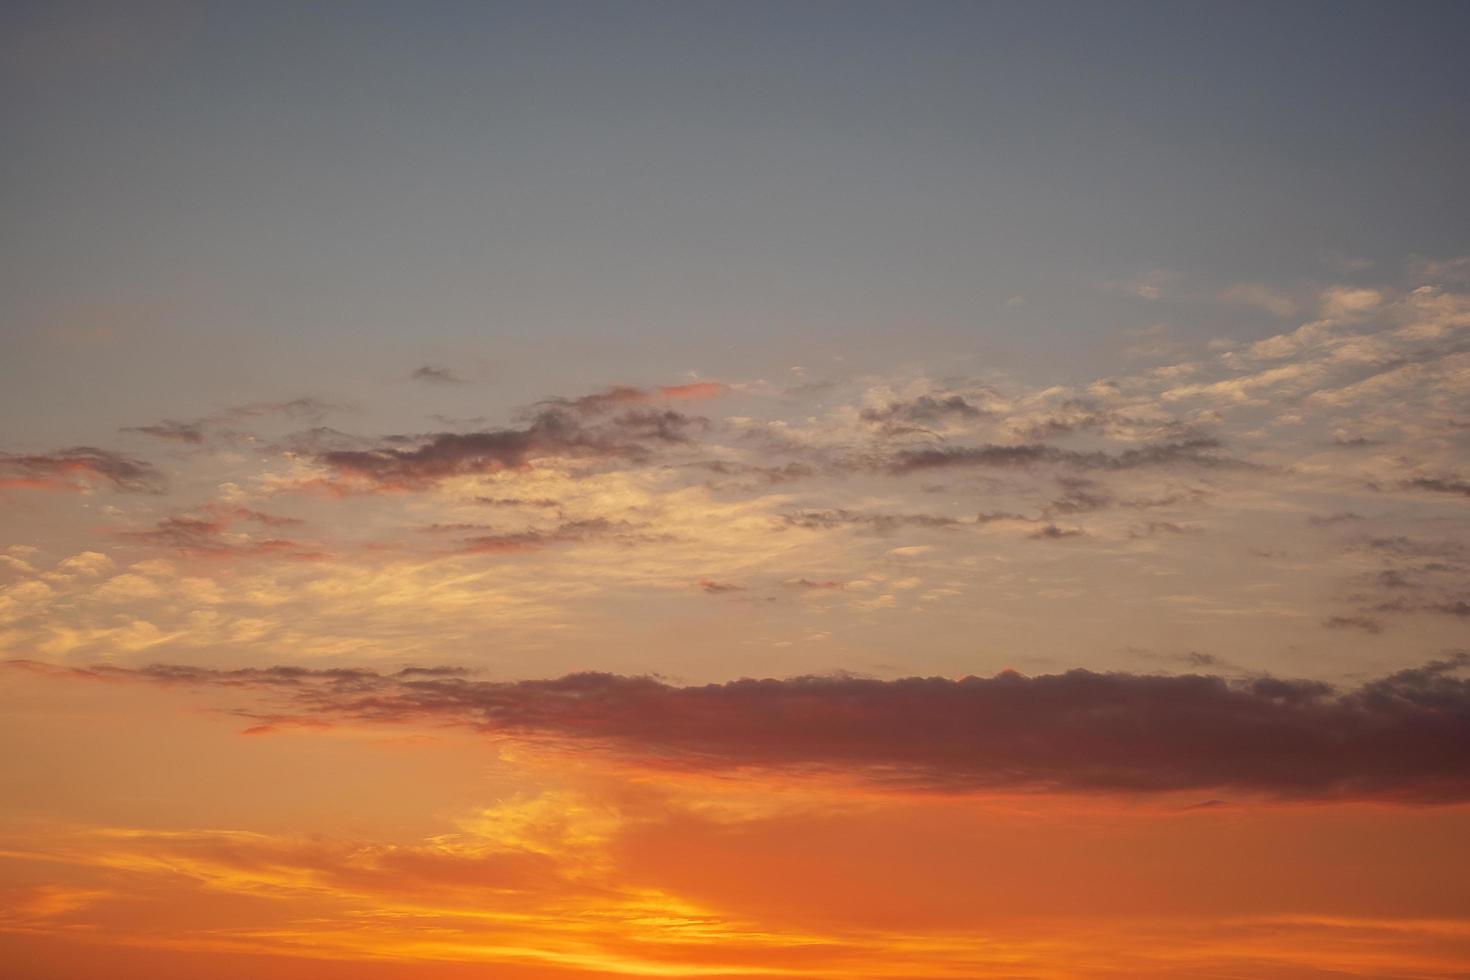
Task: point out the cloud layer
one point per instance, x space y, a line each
1403 738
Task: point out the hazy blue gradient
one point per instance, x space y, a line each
212 201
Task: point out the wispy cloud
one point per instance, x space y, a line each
436 374
79 468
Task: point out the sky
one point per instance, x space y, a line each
808 490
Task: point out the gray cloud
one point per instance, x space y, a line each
1197 452
436 374
1460 488
553 431
838 517
1404 738
71 468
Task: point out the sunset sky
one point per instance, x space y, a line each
549 491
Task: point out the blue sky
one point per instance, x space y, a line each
669 186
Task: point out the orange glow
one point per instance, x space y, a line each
552 863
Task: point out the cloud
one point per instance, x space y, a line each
199 431
1404 738
436 374
78 468
1458 487
172 430
88 563
828 519
694 390
228 512
1364 623
1402 546
1439 271
1445 605
715 588
1078 497
620 396
539 502
994 516
554 431
924 410
1072 416
1053 533
1202 451
1348 301
210 534
295 408
532 540
913 460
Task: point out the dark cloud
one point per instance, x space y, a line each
210 534
916 414
992 516
552 432
1052 427
319 439
217 426
914 460
1448 555
1200 452
535 539
448 454
1053 533
76 468
436 374
828 519
1460 488
1076 415
172 430
1193 659
1444 605
455 528
1390 579
539 502
1078 497
1073 417
1404 738
1155 528
664 425
1407 547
